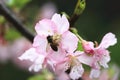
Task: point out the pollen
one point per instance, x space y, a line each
73 60
56 38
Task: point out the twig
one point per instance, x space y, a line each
73 19
80 6
4 11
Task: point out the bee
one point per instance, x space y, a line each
52 43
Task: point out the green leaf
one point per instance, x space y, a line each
79 48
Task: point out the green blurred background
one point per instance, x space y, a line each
99 18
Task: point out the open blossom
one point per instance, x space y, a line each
53 37
76 66
99 55
55 47
73 64
57 30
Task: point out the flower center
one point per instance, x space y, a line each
73 60
54 41
56 38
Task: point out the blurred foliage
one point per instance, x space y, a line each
45 75
19 4
37 77
12 34
9 71
2 20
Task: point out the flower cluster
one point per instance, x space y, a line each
56 47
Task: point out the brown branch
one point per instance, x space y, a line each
9 16
73 20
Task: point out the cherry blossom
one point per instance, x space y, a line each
73 63
50 42
99 55
55 47
57 29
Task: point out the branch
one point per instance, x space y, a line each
73 19
4 11
80 6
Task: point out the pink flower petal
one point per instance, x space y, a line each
34 57
30 54
77 53
40 43
62 23
45 27
62 76
88 46
76 72
94 73
108 40
39 63
35 67
69 41
86 59
102 55
104 60
57 55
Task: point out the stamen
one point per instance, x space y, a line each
96 43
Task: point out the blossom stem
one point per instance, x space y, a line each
79 37
80 6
